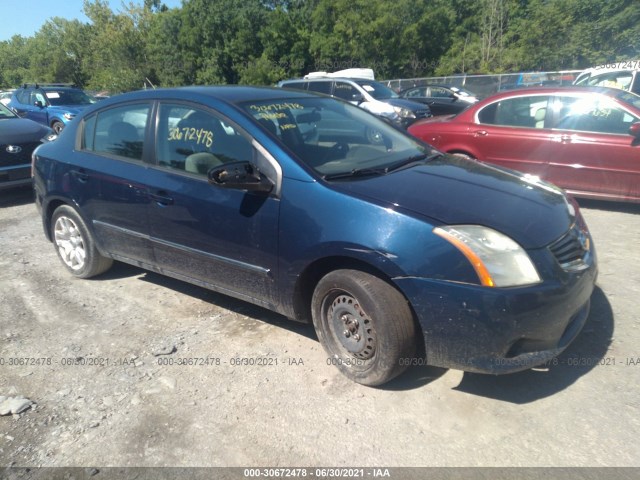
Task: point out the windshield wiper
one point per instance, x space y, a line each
362 172
356 172
407 162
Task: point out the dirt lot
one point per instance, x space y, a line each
102 368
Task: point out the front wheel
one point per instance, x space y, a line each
364 324
57 127
75 245
466 156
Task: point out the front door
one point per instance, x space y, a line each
594 151
224 238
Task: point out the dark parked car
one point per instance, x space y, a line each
18 138
586 140
397 253
50 104
442 99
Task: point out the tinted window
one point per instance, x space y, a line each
593 113
320 87
416 92
516 112
195 140
345 91
23 96
295 85
118 131
439 92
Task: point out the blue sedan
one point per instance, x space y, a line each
322 212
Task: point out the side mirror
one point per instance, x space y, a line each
240 176
357 97
634 130
39 104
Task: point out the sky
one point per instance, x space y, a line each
28 16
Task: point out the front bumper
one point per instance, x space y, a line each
499 330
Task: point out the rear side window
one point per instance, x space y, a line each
517 112
320 87
117 131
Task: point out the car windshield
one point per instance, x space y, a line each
5 112
630 98
377 90
69 97
336 139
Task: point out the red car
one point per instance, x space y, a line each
584 139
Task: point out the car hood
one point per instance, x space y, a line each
21 130
452 190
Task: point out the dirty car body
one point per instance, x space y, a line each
320 211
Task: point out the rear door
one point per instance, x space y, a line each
513 133
110 180
594 151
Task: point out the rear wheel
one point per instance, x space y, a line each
364 324
75 246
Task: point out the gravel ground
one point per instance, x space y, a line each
97 364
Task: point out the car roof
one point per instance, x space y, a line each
231 94
550 90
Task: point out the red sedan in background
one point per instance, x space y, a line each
584 139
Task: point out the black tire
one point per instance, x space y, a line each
75 245
57 127
364 324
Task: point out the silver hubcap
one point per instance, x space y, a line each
70 243
352 326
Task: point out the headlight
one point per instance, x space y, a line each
498 260
68 115
404 112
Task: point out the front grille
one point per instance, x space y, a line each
13 159
423 113
571 250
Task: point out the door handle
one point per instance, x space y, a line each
480 133
161 198
81 175
562 138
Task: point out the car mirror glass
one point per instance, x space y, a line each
240 176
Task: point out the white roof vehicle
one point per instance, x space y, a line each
623 75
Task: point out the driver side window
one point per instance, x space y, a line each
195 140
